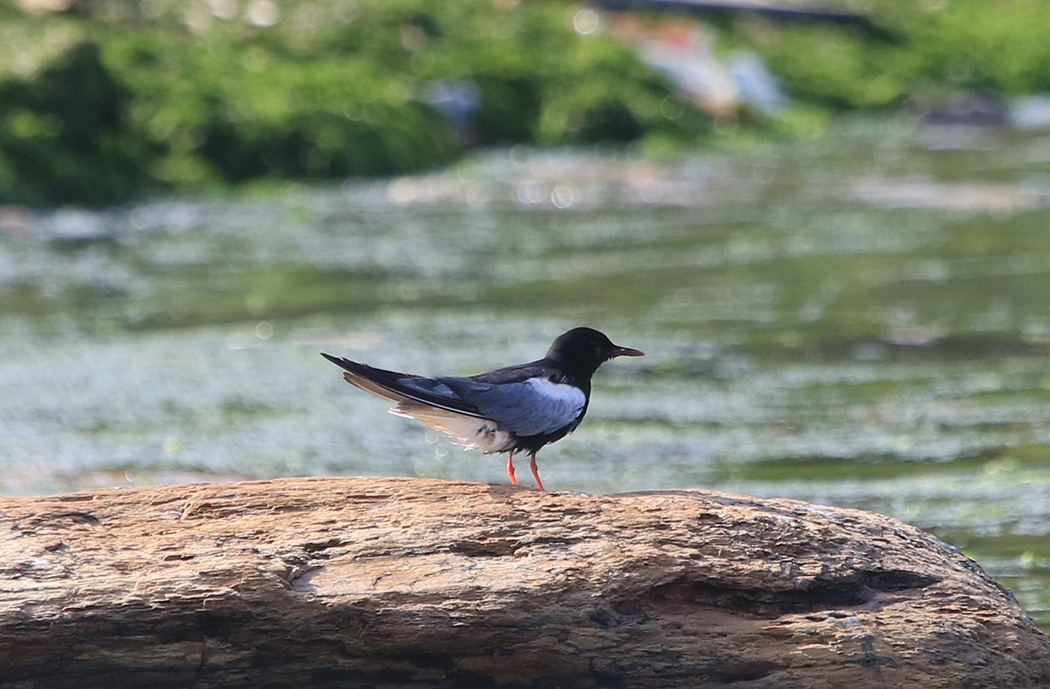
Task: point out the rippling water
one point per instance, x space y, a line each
861 321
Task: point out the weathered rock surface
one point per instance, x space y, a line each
342 582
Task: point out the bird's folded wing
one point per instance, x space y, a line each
535 406
405 389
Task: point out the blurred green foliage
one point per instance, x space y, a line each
62 134
112 98
941 47
172 95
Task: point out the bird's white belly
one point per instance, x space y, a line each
568 398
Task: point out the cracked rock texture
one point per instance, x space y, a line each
371 582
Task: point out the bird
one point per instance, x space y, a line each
513 409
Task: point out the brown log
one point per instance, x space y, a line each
355 582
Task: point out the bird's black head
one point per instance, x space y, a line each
582 350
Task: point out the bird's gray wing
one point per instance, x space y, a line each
407 390
535 406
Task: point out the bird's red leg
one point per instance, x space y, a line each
536 471
510 469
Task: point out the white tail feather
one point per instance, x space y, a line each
471 431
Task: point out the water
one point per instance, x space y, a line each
860 321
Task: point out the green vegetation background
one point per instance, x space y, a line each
112 99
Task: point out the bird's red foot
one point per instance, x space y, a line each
536 471
510 469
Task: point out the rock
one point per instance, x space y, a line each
1031 112
968 109
371 582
